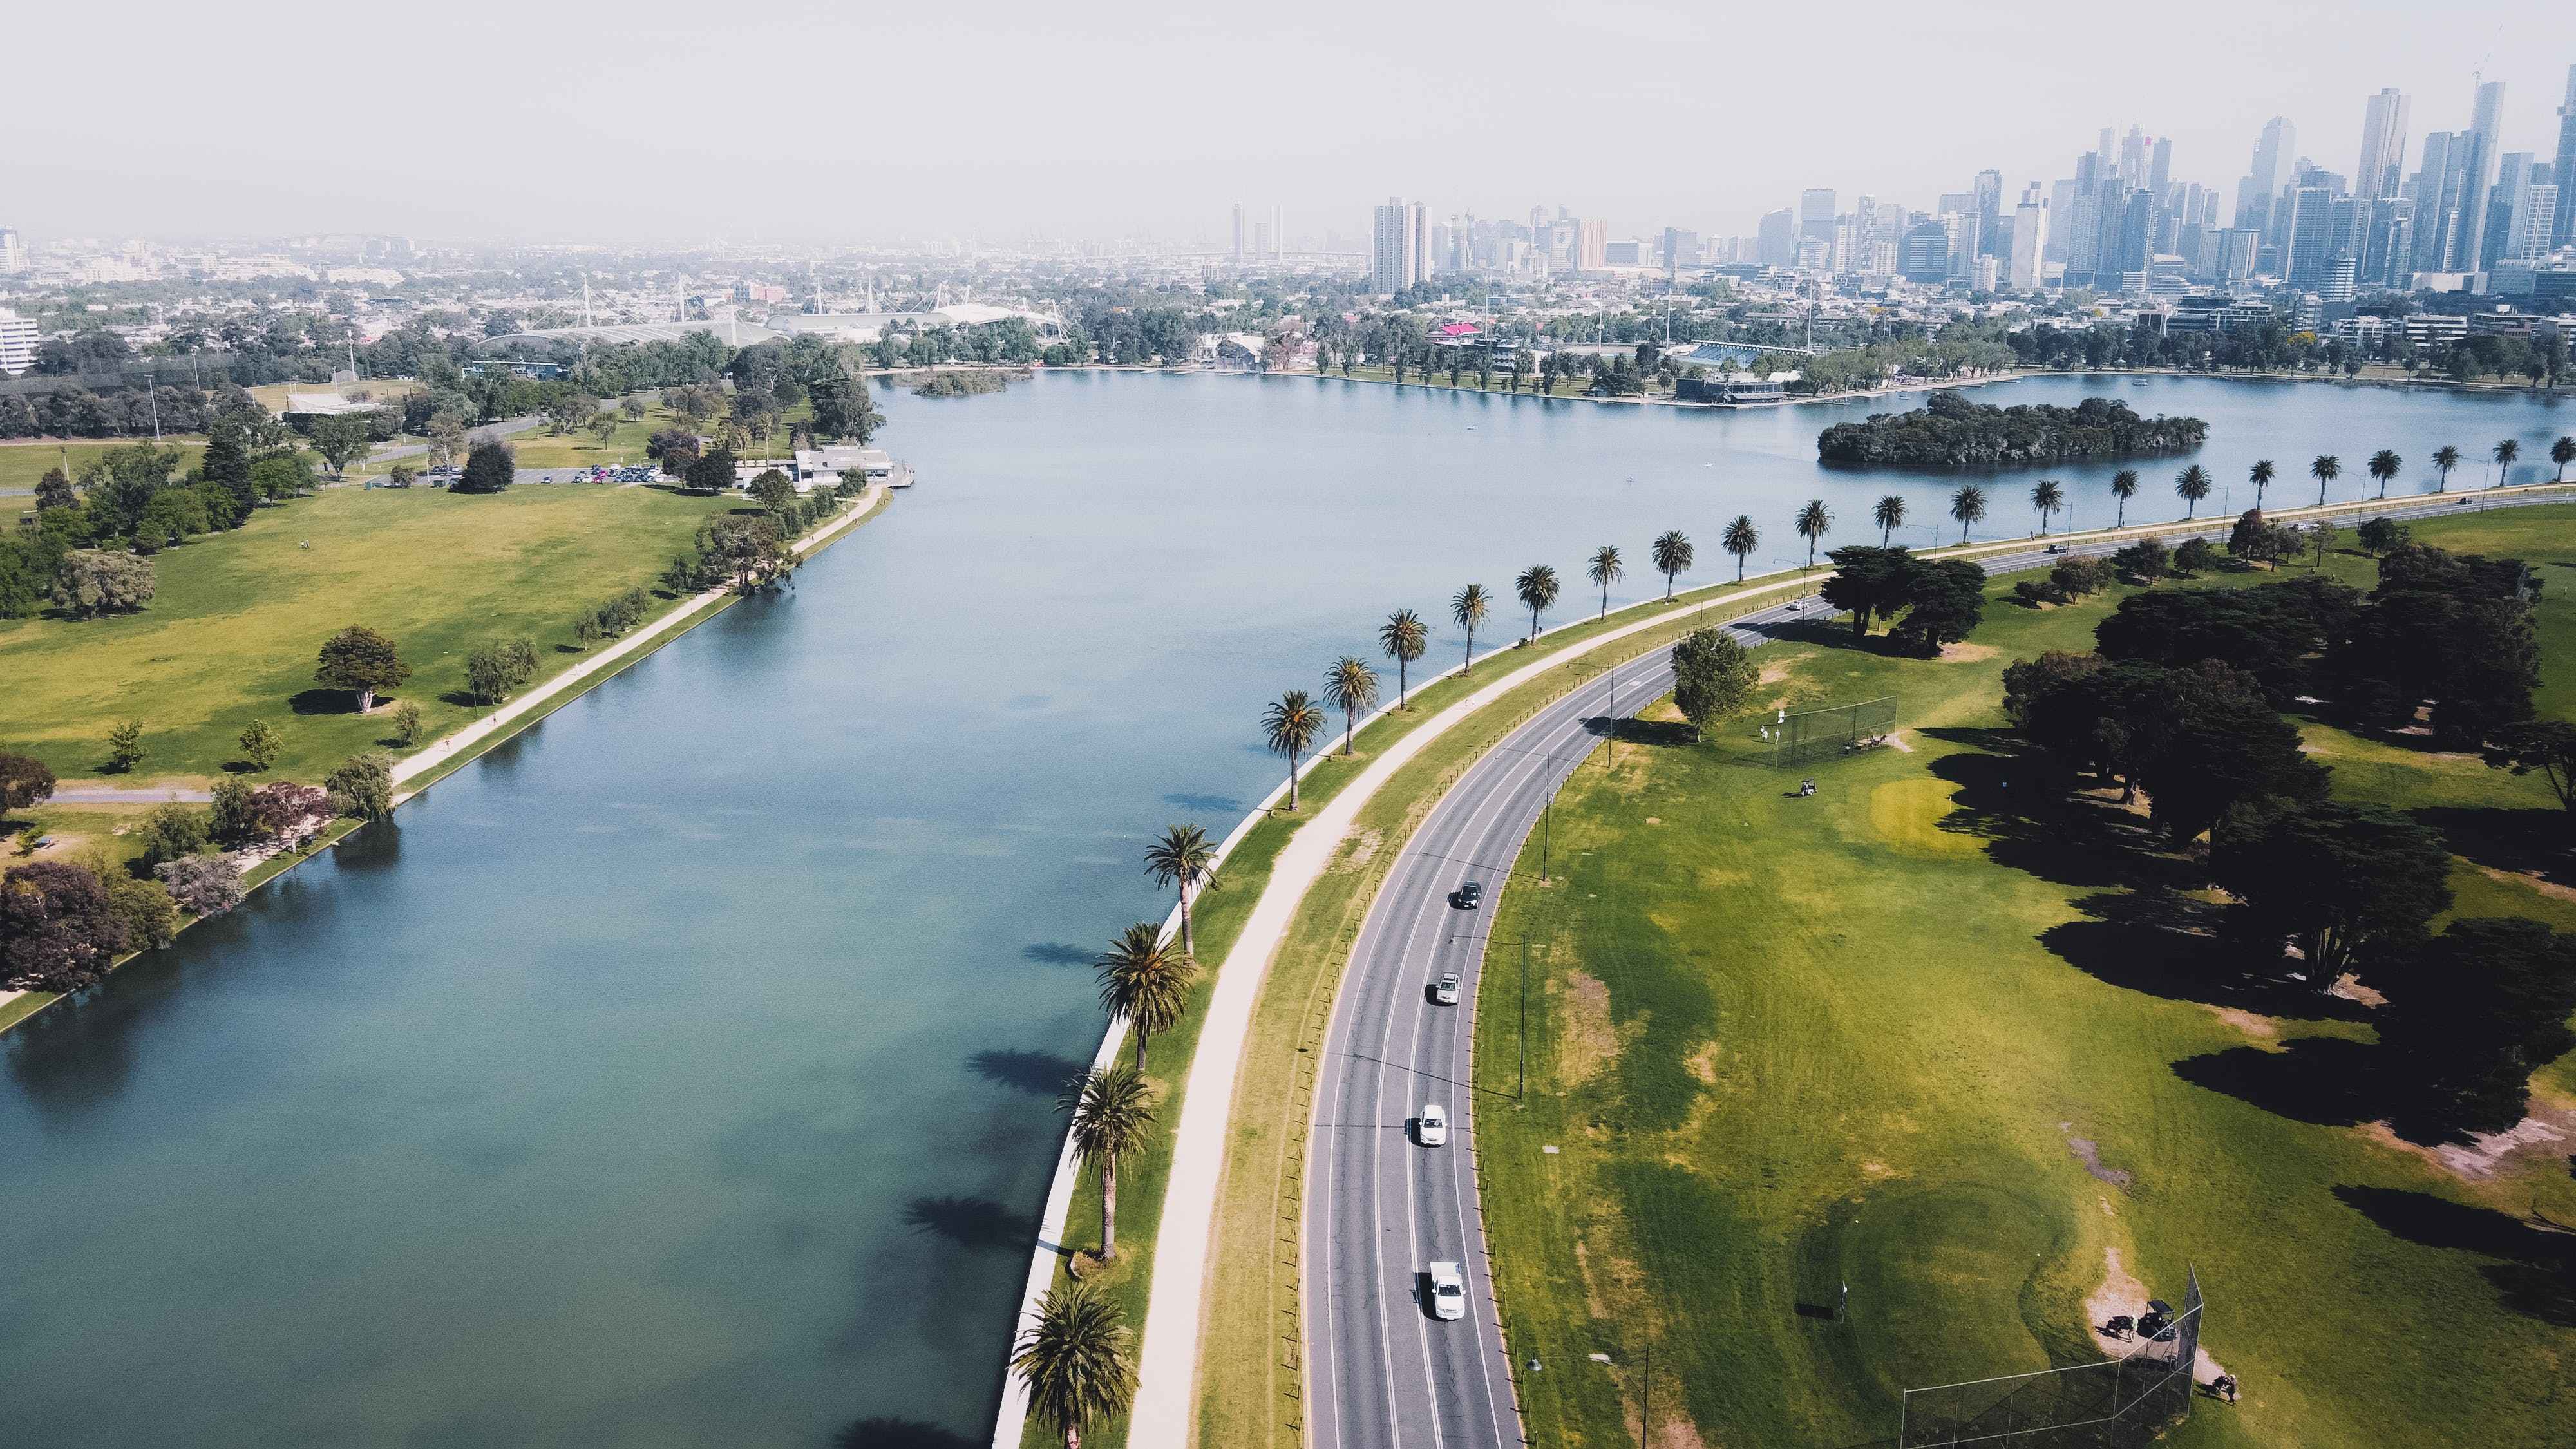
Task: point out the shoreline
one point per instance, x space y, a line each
459 748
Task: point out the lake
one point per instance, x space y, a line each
683 1071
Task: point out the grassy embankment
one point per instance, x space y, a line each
1781 1044
1311 942
23 462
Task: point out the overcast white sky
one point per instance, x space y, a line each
659 121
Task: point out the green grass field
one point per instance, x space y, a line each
232 631
1785 1043
22 463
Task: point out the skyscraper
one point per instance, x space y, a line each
2160 166
13 252
2563 170
2263 179
1238 231
2029 241
1402 256
2383 145
1775 239
2433 219
2486 126
1816 214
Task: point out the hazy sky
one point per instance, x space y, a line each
654 121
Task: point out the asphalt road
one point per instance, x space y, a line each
1380 1208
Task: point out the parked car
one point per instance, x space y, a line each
1445 990
1469 896
1432 1127
1448 1292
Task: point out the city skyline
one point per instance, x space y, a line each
1637 117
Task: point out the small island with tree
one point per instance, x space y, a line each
1951 431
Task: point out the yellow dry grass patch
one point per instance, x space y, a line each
1907 814
1591 1041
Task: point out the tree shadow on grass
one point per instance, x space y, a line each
977 1224
2323 1080
2523 842
888 1432
2010 802
1040 1074
323 701
2537 1272
1666 733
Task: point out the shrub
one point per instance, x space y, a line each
172 832
260 743
151 917
363 788
125 746
407 723
490 468
233 820
201 885
2195 556
90 583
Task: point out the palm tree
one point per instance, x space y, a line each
1290 725
1968 505
2193 485
1604 571
1350 686
2124 486
2047 496
2260 475
2562 453
1672 553
1074 1360
2325 469
1887 515
1537 589
1113 1111
2383 465
2505 453
1144 980
1403 638
1469 608
2446 458
1739 540
1813 522
1182 858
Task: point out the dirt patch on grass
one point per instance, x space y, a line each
1966 653
2548 1132
1896 741
2545 887
1702 1065
2351 990
1590 1042
2123 1296
66 843
1362 846
2262 1028
1674 1430
1592 1301
2089 1152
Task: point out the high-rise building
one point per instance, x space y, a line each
2562 172
1402 255
2383 145
1238 231
1816 213
2160 166
1591 244
2029 241
2133 158
1989 191
2533 214
2430 193
2388 252
1264 240
2305 252
1775 239
2486 130
13 252
2133 252
2272 153
18 335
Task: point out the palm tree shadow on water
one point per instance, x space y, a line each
1040 1074
886 1431
977 1224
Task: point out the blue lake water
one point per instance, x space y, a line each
682 1072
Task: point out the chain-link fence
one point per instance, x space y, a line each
2120 1403
1843 729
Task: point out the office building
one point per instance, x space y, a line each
1681 248
1816 214
2270 168
2486 131
2383 145
1238 231
2029 241
2160 166
1924 255
2535 210
1775 239
2562 172
1591 244
13 252
18 339
2307 250
1401 257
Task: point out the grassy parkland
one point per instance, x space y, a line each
1941 1039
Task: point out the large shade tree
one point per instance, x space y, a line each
362 661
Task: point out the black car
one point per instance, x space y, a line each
1469 896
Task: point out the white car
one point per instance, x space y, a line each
1445 990
1448 1292
1432 1127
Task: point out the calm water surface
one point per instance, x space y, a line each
681 1073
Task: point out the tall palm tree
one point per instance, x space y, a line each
1887 515
1469 608
1144 980
2562 453
2325 469
1537 589
1350 686
1968 505
2505 453
1113 1112
1813 522
1739 540
1074 1360
1182 858
2124 486
2048 496
2260 475
2193 485
1291 725
1605 571
1403 638
1672 553
2445 458
2383 465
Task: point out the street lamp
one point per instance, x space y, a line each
1522 1087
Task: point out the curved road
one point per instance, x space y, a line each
1380 1208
